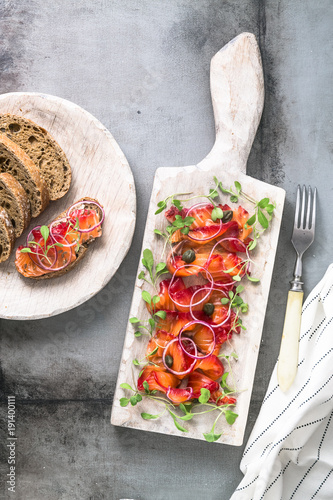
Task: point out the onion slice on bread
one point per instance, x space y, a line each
54 250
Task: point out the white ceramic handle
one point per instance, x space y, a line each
237 89
288 357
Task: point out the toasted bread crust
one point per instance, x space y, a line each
15 200
7 236
15 161
41 147
81 253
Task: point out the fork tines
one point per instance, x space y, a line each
308 205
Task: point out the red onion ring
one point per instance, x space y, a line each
90 202
52 268
211 281
37 228
43 266
55 236
208 237
185 372
212 325
196 322
230 239
38 251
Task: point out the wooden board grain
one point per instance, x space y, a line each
99 170
237 89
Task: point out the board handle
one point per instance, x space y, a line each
237 90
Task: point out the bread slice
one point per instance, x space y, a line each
7 236
15 200
47 155
15 161
79 254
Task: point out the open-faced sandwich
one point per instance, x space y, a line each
53 250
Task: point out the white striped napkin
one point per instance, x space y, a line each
289 455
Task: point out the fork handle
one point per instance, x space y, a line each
288 357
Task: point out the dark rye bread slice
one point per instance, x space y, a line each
42 149
7 236
82 250
16 162
15 200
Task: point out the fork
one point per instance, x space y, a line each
302 237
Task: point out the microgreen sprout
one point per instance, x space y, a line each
226 389
180 223
162 205
236 302
243 269
263 209
147 327
154 272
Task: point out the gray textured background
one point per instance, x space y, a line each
142 68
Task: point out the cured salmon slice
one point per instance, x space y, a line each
60 250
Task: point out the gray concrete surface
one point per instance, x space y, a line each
142 68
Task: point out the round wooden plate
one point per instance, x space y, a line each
99 170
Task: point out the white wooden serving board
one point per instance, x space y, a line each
237 89
99 170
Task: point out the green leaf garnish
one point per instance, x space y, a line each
252 245
254 280
205 395
134 320
156 299
146 296
251 220
148 416
211 437
146 386
183 408
238 187
160 267
263 203
133 400
187 417
262 219
26 250
126 386
153 352
45 232
230 416
151 322
217 213
124 401
178 205
160 314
